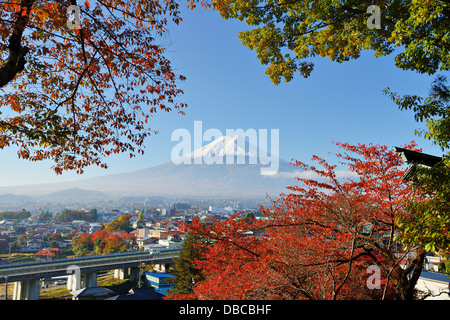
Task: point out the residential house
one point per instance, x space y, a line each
35 242
142 233
156 233
63 243
4 244
172 226
81 226
154 247
170 244
432 262
11 233
95 226
161 281
436 285
92 293
111 215
173 241
7 227
33 245
61 228
50 254
145 241
6 224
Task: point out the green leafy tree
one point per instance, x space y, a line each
143 268
121 224
82 245
433 110
285 34
92 215
69 215
430 226
186 274
140 221
45 215
17 215
19 243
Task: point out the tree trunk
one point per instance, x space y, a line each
410 276
15 63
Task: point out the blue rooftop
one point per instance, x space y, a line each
160 274
435 276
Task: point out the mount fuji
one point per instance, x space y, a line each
222 147
226 167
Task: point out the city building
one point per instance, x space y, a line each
161 281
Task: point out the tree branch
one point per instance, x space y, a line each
15 63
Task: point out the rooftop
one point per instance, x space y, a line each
416 159
139 294
435 276
160 274
92 292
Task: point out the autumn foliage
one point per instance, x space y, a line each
114 238
77 95
318 241
287 35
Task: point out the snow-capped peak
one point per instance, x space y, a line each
226 147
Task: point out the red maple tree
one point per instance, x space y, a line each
319 241
75 93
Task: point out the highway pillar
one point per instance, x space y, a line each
134 274
90 279
26 290
121 273
74 282
162 267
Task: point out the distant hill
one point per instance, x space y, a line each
76 193
9 197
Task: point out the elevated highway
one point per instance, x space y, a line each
84 269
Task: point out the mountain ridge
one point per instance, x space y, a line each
195 179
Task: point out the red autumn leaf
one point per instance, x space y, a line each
318 241
83 91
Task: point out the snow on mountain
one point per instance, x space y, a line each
201 174
228 147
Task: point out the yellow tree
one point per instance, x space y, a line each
285 34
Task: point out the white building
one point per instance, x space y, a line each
228 210
111 215
432 262
436 284
95 226
154 247
170 244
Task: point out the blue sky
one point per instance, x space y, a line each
226 88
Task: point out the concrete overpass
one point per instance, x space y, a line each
80 271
